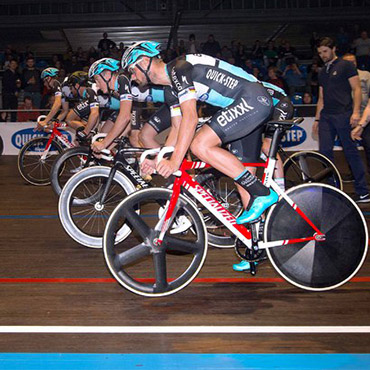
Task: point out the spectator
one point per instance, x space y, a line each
286 54
257 51
248 66
72 65
192 46
11 86
93 53
343 43
274 78
313 79
257 73
121 49
106 45
239 54
270 55
212 47
31 82
294 79
362 46
336 112
24 114
307 98
364 81
226 53
55 59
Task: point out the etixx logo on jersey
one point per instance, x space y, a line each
21 137
264 100
234 112
293 137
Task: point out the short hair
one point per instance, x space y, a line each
326 41
348 55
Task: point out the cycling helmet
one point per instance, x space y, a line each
49 72
138 50
78 77
103 64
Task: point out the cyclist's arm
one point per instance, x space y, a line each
174 131
65 109
93 120
121 123
53 111
186 130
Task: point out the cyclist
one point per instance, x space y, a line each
245 105
62 95
117 85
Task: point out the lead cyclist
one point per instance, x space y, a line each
245 107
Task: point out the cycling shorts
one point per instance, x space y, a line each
283 110
161 119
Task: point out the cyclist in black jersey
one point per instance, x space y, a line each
61 92
245 105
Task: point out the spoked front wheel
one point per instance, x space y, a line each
35 160
320 264
141 265
307 167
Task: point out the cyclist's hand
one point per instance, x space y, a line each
356 133
81 136
41 125
355 119
148 166
166 167
97 146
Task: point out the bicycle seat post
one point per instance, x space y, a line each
276 139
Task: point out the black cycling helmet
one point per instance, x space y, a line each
78 77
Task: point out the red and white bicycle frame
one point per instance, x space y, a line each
183 179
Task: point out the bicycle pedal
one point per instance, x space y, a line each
253 268
255 221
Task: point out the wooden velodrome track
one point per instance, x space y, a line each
46 279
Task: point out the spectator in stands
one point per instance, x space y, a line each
31 82
54 59
362 46
287 54
212 47
337 112
121 49
226 53
270 55
307 98
343 42
248 66
192 46
313 79
105 45
294 78
93 53
258 73
257 51
274 77
11 86
240 54
73 65
24 114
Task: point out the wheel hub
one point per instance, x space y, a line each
99 207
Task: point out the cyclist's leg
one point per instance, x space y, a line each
74 118
249 111
157 123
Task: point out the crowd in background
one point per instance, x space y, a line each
278 63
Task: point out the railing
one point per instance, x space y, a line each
28 8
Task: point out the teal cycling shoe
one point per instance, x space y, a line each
242 266
259 205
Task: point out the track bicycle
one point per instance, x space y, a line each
315 236
36 157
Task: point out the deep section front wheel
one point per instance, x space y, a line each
320 264
35 160
82 211
140 264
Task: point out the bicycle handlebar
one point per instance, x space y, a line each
106 153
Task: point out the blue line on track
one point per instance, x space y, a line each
67 361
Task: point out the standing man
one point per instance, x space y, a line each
337 112
11 85
31 82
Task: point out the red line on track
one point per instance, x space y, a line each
364 279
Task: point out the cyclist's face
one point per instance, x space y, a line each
137 75
47 82
101 84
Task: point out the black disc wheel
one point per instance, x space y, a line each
140 263
323 263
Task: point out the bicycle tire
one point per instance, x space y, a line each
34 170
146 269
309 166
85 220
317 265
66 165
214 182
